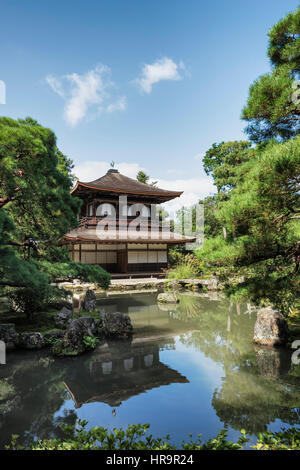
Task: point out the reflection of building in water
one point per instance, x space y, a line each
120 370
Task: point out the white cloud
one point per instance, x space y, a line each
55 84
194 188
85 93
162 69
119 105
87 90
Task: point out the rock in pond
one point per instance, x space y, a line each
116 324
168 298
64 317
34 340
8 335
213 283
270 328
78 329
90 301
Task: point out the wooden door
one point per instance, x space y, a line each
122 261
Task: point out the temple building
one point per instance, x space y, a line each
119 228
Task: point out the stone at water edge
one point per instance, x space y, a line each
270 328
64 317
168 298
9 335
90 301
213 283
77 302
116 324
34 340
77 330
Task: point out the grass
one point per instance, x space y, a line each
94 314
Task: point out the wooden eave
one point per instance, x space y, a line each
166 195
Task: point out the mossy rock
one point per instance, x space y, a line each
59 349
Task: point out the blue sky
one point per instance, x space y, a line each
148 84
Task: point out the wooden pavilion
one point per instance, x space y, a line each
118 226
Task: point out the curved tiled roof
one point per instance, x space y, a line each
83 234
115 182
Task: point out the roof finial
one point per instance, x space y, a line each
112 168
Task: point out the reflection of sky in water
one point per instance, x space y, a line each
176 409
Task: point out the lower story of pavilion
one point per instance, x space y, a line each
122 258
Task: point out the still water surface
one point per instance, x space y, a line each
190 368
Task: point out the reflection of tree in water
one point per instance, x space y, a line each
252 399
259 385
224 333
36 393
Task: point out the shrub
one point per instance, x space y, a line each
35 298
136 437
187 267
90 342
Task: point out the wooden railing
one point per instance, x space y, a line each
93 220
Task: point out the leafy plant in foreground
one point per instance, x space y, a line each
135 437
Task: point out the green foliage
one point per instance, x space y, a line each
258 200
284 41
35 191
262 208
32 299
261 220
90 342
188 267
6 390
136 437
174 254
212 226
270 110
222 160
143 178
60 350
72 270
36 209
217 252
288 439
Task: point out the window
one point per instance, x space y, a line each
105 210
136 209
132 211
146 211
148 360
90 210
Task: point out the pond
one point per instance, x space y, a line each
189 368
